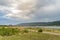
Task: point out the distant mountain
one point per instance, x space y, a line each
55 23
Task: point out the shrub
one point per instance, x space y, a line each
40 30
25 31
8 31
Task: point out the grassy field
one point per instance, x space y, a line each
31 35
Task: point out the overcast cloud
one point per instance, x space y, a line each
30 10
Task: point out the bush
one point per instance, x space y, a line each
40 30
8 31
25 31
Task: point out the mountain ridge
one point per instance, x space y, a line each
54 23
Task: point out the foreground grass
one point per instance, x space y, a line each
25 34
31 36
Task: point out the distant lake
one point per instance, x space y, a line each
56 27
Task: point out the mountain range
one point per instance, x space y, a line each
54 23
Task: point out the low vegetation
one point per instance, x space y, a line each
31 36
8 31
40 30
25 31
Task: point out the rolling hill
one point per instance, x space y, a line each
55 23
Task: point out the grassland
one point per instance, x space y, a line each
32 34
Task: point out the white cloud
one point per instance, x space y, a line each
49 8
20 9
30 9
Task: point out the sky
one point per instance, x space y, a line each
22 11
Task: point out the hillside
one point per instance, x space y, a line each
55 23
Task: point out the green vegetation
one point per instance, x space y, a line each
31 36
8 31
25 31
21 33
40 30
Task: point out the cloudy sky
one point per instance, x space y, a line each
20 11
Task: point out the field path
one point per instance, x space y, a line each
48 32
52 33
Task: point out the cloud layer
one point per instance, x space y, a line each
31 10
20 9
